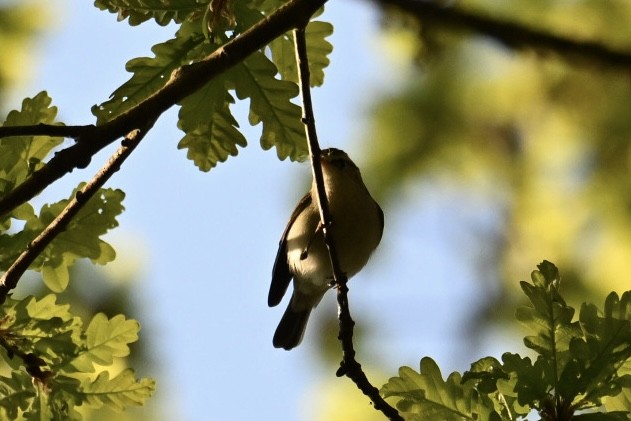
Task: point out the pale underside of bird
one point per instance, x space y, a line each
357 227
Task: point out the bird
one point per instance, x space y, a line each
357 228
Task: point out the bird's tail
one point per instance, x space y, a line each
291 328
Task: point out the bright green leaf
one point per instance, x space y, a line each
211 131
549 317
118 393
215 142
621 401
106 339
20 156
81 239
270 103
57 277
42 328
600 352
149 74
46 308
16 392
426 396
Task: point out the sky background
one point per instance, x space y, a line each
201 246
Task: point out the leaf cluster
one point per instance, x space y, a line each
582 368
57 365
19 157
268 78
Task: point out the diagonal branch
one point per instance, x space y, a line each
10 278
349 366
183 82
513 35
53 130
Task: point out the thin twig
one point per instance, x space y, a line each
349 366
184 81
512 34
10 278
53 130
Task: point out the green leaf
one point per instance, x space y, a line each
16 393
215 142
621 401
42 328
426 396
57 277
549 317
28 151
580 365
106 339
270 103
48 335
118 393
487 371
211 130
150 74
603 349
20 156
81 239
528 382
318 50
163 11
47 308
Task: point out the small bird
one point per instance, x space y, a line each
302 254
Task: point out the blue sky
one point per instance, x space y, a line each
204 243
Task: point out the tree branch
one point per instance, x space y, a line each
10 278
183 82
513 35
349 366
52 130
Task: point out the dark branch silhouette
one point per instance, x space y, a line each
10 278
53 130
349 366
513 35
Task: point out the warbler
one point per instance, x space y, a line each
357 227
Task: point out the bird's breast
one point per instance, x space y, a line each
356 232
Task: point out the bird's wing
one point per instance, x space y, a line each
281 276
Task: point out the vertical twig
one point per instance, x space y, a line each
349 366
10 278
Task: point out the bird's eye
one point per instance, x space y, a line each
340 163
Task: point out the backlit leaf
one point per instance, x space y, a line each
119 392
106 339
